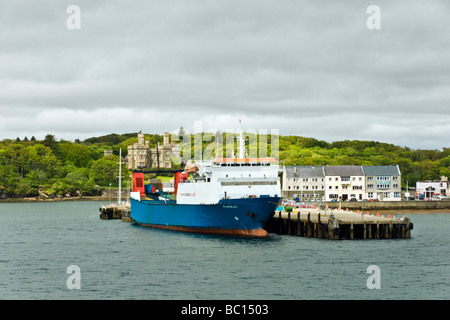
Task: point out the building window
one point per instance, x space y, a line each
396 194
386 194
370 195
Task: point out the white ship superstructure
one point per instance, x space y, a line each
231 178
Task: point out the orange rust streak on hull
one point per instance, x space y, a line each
259 233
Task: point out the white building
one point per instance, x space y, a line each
430 189
344 183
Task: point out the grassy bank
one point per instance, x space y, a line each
37 199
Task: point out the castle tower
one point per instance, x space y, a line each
138 153
141 138
166 138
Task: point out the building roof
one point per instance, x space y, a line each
244 160
381 170
303 171
343 171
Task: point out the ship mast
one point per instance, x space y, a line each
120 175
241 141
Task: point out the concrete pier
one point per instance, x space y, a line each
114 211
335 224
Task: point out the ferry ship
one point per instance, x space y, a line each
230 196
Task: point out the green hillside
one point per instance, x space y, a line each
55 168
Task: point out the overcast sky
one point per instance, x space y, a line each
308 68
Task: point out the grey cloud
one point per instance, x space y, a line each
285 62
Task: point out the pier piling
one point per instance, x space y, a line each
115 212
339 224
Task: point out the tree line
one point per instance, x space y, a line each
51 168
415 164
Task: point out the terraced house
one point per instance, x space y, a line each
383 183
342 183
304 182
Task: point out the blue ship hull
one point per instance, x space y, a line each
242 217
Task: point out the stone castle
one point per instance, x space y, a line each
141 156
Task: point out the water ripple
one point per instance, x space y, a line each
124 261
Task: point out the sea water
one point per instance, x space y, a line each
40 241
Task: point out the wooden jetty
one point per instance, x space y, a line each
114 211
339 224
